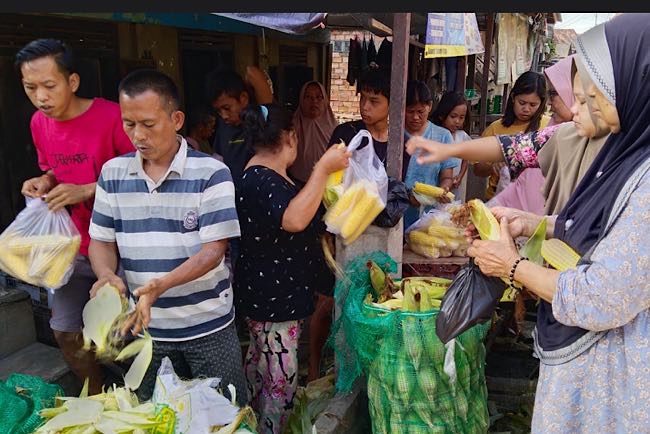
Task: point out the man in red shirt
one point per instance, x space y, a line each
73 137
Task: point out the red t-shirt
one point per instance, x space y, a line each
76 149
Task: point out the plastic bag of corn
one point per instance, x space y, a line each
40 246
364 193
398 353
434 235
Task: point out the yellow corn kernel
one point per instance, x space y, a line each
347 200
486 224
419 237
431 190
443 231
335 178
375 208
559 255
428 251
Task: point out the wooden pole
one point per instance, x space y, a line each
487 57
398 79
461 76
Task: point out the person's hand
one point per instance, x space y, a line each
147 296
520 223
334 159
414 201
443 198
108 279
455 182
37 187
495 258
68 194
427 151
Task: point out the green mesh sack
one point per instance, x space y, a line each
415 383
21 398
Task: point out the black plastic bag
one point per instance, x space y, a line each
396 204
471 298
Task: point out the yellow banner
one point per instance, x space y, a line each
431 51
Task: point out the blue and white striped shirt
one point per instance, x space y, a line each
158 225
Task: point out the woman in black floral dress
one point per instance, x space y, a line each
281 261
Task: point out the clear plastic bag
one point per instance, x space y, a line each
364 164
365 192
434 235
40 246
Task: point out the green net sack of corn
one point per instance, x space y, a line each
21 398
415 383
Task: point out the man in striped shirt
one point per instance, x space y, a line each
169 212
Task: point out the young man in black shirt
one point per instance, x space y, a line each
373 107
228 94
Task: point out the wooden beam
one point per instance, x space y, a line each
487 57
398 79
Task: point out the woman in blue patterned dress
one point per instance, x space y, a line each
593 328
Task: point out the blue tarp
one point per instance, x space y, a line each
294 23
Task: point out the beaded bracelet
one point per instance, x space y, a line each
514 268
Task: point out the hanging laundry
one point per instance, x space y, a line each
354 61
385 54
364 54
372 52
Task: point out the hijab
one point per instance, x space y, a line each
313 134
617 58
565 158
559 75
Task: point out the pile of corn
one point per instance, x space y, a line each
355 210
43 260
409 388
438 237
411 294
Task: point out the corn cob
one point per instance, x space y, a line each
404 379
427 251
431 190
533 247
411 332
336 214
419 237
559 255
376 399
445 231
427 382
356 216
332 194
424 410
392 304
362 224
411 302
486 225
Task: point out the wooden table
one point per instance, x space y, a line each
416 265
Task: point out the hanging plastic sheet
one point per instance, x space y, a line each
294 23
